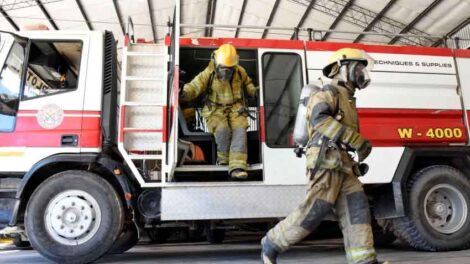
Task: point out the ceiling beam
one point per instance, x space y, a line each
46 14
181 16
338 18
118 13
211 5
376 19
416 20
240 18
208 17
454 31
85 16
152 22
8 18
214 5
304 17
271 17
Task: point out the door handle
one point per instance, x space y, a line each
69 140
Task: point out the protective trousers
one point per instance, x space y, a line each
330 191
229 129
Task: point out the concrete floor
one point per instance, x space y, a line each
246 251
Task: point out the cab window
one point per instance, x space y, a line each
53 67
10 79
282 77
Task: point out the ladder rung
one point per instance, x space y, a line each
137 129
139 78
149 54
129 103
145 157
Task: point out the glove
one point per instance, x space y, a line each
364 150
352 139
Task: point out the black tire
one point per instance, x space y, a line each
21 244
126 240
414 228
110 208
215 236
158 235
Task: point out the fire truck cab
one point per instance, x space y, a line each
90 154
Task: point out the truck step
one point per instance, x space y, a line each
139 78
146 157
194 168
129 103
141 130
145 54
139 47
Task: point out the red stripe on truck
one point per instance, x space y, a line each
261 123
28 132
164 126
243 43
461 53
402 127
122 116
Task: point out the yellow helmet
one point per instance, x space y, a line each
226 56
343 55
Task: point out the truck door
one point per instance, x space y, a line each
42 94
12 56
171 138
282 77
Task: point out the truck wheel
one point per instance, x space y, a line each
126 240
74 217
438 204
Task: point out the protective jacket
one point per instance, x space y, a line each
332 115
221 93
333 188
223 101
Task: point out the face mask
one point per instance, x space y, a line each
224 73
358 75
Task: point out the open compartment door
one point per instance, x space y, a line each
173 100
282 73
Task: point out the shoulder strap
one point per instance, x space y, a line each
209 84
334 90
209 88
242 86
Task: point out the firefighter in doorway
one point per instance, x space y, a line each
333 186
224 84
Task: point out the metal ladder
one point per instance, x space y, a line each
142 118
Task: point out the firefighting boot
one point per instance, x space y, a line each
238 174
222 162
268 252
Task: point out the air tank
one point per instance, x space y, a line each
301 125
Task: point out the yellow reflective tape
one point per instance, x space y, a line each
5 241
357 254
11 153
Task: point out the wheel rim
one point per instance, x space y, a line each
445 208
72 217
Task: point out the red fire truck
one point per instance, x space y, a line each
90 155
